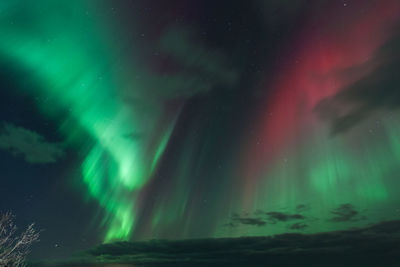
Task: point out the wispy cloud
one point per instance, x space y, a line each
29 144
237 220
298 226
345 213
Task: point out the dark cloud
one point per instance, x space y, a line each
271 217
231 225
237 220
29 144
376 245
276 216
378 90
250 221
185 67
195 58
298 226
302 207
345 213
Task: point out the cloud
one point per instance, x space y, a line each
185 67
298 226
345 213
302 207
276 216
250 221
378 90
272 217
231 225
237 220
376 245
201 67
29 144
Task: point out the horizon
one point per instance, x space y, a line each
145 119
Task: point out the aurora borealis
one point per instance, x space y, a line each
194 119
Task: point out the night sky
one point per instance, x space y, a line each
149 119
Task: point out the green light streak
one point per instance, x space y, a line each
162 145
74 68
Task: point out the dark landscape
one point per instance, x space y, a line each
377 245
200 133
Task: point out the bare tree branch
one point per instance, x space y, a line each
14 248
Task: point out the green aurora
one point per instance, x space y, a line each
146 170
81 72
